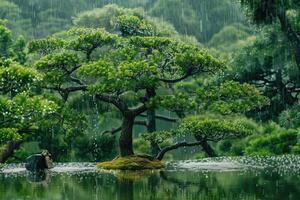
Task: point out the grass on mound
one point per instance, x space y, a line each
135 162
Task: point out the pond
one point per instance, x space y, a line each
219 178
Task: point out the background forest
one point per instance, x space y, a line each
245 102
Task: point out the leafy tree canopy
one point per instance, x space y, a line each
231 97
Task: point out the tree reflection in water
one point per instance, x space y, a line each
173 184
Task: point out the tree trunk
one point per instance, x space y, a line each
125 141
208 149
151 123
285 94
151 127
205 146
9 150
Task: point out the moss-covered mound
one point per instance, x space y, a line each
135 162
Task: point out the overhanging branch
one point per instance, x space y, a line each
113 131
115 100
161 117
161 154
139 110
141 123
175 80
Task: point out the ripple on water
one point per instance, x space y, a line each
281 164
206 166
59 168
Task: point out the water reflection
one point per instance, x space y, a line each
172 183
41 177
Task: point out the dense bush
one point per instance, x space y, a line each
290 118
271 139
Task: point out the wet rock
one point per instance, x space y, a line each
39 162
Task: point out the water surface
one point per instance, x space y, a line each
218 178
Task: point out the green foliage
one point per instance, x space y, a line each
151 43
134 75
290 118
7 134
19 50
9 10
230 40
141 145
134 26
22 115
88 39
15 78
65 129
5 42
261 11
104 17
126 21
35 19
141 62
270 139
296 148
216 128
179 102
278 141
62 61
10 48
264 11
25 110
55 66
264 64
158 137
228 35
230 97
96 148
45 45
21 109
193 59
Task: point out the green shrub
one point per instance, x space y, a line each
279 141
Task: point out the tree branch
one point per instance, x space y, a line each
161 117
161 154
9 149
139 110
64 92
113 131
68 89
76 80
141 123
27 130
189 73
115 100
176 80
